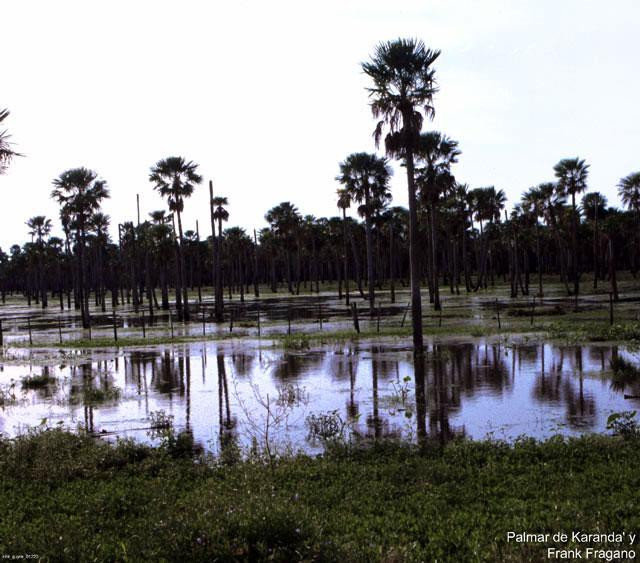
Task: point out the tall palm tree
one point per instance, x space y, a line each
99 225
6 152
437 152
533 204
553 206
175 178
80 194
40 227
594 205
219 214
629 193
344 202
366 179
403 84
162 249
284 220
572 179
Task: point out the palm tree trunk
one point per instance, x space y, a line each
434 258
416 299
369 240
539 258
219 292
185 294
574 240
344 254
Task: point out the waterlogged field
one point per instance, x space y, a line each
284 373
290 374
287 399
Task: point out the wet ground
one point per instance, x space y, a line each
281 313
279 398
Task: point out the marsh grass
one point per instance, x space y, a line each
69 497
40 381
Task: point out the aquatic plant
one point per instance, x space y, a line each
325 426
623 424
38 381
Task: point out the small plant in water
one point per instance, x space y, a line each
400 391
623 424
325 426
291 394
37 381
296 341
177 445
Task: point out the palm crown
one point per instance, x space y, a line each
403 84
572 175
175 179
80 193
366 180
629 191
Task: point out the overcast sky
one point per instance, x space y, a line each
268 97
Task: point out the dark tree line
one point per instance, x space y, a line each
451 238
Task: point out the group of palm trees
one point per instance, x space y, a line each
450 235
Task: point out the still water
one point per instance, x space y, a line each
472 389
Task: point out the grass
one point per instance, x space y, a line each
126 341
37 381
68 497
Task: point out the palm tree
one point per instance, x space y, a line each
366 179
162 249
533 204
80 194
6 152
99 224
284 220
40 227
344 202
219 214
553 206
629 193
438 152
175 178
572 179
594 205
403 84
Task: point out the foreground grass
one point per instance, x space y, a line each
66 497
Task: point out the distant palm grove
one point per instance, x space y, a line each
453 238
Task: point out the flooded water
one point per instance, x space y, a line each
280 398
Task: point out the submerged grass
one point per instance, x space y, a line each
68 497
37 381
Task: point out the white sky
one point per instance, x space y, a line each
268 97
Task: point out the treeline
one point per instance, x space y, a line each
451 237
467 243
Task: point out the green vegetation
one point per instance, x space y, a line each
68 497
38 381
135 341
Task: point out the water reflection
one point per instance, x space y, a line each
225 393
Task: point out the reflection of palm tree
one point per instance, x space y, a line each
223 395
